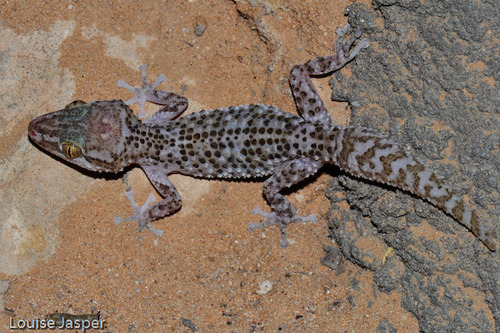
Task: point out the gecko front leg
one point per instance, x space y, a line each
173 106
145 214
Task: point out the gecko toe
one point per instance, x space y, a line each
281 221
304 219
157 232
140 213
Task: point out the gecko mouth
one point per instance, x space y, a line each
33 130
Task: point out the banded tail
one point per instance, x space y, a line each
368 154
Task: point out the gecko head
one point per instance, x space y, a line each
90 135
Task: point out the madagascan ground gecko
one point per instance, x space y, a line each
247 141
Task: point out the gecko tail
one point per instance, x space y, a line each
468 217
368 154
430 187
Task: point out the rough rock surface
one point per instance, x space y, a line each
430 81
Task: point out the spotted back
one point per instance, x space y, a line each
235 142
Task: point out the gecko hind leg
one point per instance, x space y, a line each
307 99
282 211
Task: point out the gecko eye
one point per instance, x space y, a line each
71 144
70 150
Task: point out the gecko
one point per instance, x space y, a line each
254 141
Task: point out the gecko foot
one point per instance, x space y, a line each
147 92
342 46
139 214
280 221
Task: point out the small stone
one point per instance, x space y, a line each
265 287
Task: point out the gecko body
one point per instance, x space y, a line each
248 141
